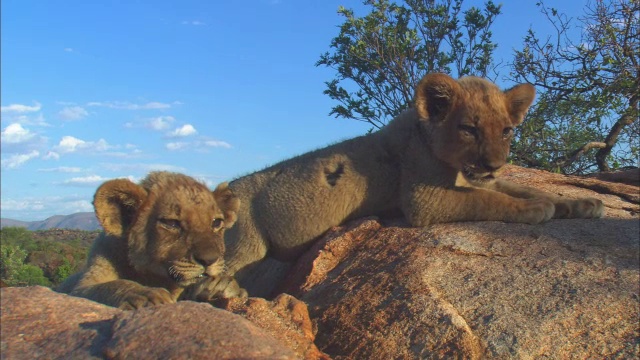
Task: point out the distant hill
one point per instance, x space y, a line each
79 221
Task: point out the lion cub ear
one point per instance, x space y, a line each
518 99
435 95
116 203
228 203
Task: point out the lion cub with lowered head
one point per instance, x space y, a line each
435 163
160 238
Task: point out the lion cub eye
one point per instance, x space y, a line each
468 130
507 133
217 224
170 224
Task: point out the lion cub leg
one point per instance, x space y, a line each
124 294
427 205
564 208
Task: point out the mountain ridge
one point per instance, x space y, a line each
77 221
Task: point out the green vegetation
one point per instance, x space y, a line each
14 270
385 53
42 257
586 73
586 116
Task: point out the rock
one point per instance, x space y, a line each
285 318
563 289
190 330
628 176
39 323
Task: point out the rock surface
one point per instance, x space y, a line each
39 323
629 176
285 318
564 289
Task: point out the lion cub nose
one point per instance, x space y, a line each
206 260
492 165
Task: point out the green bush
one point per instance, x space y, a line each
63 271
11 259
15 272
28 275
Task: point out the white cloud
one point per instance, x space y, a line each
12 205
160 123
69 49
183 131
101 145
78 206
124 105
19 108
15 134
217 143
73 113
91 180
69 144
201 145
18 139
156 123
23 114
52 155
36 120
62 169
16 160
40 208
173 146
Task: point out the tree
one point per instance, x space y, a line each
11 259
20 236
15 272
384 54
586 116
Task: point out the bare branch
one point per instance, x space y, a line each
610 141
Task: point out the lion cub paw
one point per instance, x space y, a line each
214 288
582 208
145 297
537 211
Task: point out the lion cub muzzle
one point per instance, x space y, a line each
479 174
185 272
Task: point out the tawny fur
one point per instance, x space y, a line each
433 163
160 237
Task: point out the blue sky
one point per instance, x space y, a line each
95 90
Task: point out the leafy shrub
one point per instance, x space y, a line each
43 257
15 272
63 271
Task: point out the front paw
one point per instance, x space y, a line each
214 288
586 208
536 211
589 208
144 297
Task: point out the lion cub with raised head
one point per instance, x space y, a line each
160 237
435 163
